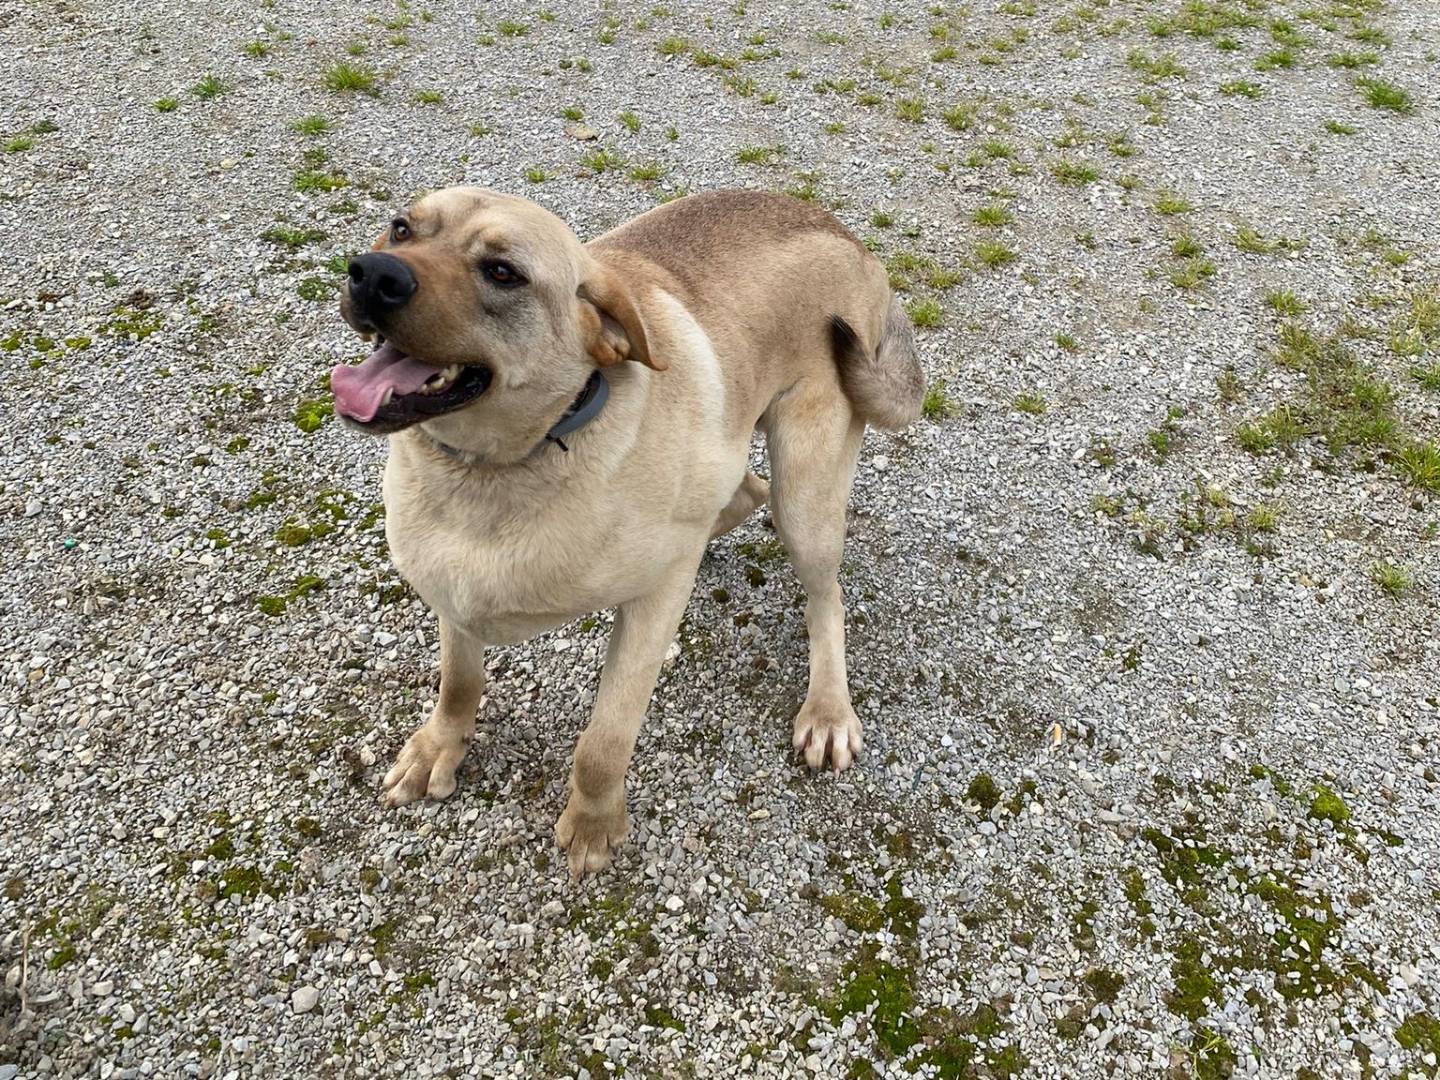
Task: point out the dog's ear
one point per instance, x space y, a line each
614 330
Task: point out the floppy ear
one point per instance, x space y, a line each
614 330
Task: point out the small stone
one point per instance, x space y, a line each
674 904
305 999
581 132
880 463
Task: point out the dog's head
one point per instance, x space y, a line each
489 315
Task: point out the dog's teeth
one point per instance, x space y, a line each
389 393
441 379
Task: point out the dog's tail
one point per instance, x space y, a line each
887 386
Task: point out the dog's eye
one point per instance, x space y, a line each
399 230
502 273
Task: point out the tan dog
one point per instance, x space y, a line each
740 311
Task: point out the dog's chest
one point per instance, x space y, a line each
509 569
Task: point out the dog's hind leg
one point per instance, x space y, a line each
814 441
748 497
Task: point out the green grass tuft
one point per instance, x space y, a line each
759 155
348 78
1427 375
1170 204
1383 95
601 160
1186 246
959 117
993 215
1033 404
938 405
1352 60
925 313
1284 302
1394 581
1241 88
210 86
994 254
1164 66
1419 463
1074 173
1191 273
314 124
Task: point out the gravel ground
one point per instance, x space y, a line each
1142 614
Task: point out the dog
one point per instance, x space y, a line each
570 425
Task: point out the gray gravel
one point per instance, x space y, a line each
1150 783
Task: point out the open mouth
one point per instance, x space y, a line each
391 390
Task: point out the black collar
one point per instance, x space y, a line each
582 410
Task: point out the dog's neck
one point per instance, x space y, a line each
582 410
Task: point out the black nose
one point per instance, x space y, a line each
380 283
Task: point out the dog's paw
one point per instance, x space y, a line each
827 728
426 767
588 835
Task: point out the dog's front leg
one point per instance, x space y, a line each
595 819
427 763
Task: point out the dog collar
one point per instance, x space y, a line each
582 410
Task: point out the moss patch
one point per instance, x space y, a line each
1420 1031
1214 1058
1194 989
868 979
855 910
309 415
1185 854
1135 893
275 605
1296 952
902 913
984 790
1104 984
1326 805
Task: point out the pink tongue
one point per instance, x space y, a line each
360 390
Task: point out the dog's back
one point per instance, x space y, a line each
791 302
